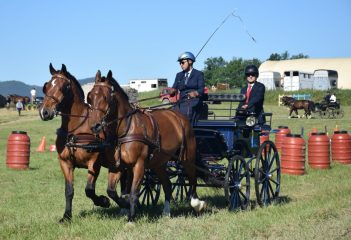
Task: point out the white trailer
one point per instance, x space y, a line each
324 79
296 80
271 80
146 85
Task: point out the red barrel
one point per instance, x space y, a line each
280 135
341 147
264 136
319 151
18 150
293 155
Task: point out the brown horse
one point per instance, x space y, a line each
145 139
294 105
76 145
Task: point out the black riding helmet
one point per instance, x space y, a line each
251 69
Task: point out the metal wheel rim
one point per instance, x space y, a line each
267 174
237 184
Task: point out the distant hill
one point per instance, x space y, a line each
22 89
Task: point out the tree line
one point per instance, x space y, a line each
218 70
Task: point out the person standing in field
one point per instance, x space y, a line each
33 94
19 107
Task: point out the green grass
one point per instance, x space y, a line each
316 205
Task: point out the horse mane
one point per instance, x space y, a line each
118 88
79 87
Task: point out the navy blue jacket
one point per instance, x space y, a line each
255 103
190 107
195 82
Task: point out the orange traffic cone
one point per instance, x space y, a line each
336 128
41 147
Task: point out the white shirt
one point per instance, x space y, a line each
33 92
332 98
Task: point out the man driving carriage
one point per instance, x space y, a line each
330 100
190 83
254 92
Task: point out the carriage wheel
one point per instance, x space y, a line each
237 183
180 187
332 113
267 174
339 113
324 114
150 190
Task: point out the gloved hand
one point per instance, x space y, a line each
193 94
173 92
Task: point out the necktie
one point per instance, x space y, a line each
186 78
248 91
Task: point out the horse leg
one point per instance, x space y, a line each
167 188
113 178
138 174
67 170
100 201
189 167
291 110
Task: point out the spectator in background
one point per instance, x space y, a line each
33 94
19 107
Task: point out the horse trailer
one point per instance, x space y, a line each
325 79
271 80
146 85
296 80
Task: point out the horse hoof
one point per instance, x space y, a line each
130 224
65 219
103 202
203 206
198 205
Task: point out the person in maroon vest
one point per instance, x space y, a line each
254 92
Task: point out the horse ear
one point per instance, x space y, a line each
109 74
52 69
63 69
98 76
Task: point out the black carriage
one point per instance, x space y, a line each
326 109
230 154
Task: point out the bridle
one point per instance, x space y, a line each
58 101
109 102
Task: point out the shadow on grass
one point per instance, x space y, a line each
179 209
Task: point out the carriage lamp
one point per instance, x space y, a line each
251 121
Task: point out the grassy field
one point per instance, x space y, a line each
316 205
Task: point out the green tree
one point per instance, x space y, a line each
217 70
285 56
213 70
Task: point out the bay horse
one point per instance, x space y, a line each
77 146
294 105
145 140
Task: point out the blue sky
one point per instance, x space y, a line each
142 39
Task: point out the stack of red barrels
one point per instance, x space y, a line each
321 150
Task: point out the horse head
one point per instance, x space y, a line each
58 93
287 101
108 101
101 100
